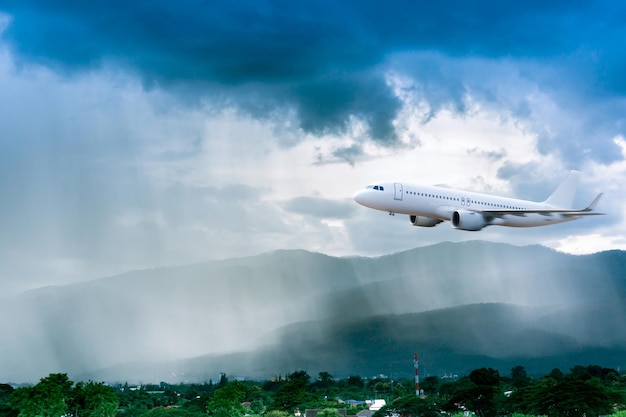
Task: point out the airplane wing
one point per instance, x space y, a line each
587 211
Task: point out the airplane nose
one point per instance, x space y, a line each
358 196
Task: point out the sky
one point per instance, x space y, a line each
150 133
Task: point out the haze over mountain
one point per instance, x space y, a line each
457 303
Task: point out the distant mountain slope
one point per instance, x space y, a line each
452 340
168 314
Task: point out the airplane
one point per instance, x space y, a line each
427 206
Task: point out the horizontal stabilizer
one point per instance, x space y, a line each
593 203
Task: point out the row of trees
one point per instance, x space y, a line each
56 396
584 391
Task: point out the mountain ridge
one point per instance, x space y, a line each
169 314
384 345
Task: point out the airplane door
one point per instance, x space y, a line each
397 195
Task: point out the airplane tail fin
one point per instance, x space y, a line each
563 196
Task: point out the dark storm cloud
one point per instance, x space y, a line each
324 59
257 56
278 41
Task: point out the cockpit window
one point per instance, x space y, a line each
381 188
376 187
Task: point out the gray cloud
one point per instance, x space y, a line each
350 153
493 155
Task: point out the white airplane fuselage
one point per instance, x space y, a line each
429 205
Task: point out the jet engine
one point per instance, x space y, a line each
468 220
424 221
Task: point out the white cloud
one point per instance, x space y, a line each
590 243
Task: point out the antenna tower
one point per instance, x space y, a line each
417 375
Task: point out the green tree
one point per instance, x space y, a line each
399 390
382 387
356 381
293 393
484 396
94 400
556 374
277 413
485 376
299 376
5 392
325 386
350 388
409 406
575 398
580 372
484 400
257 406
227 400
524 400
519 377
136 400
172 412
449 389
5 407
325 379
49 398
328 412
132 412
430 385
223 381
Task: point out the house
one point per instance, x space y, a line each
377 405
